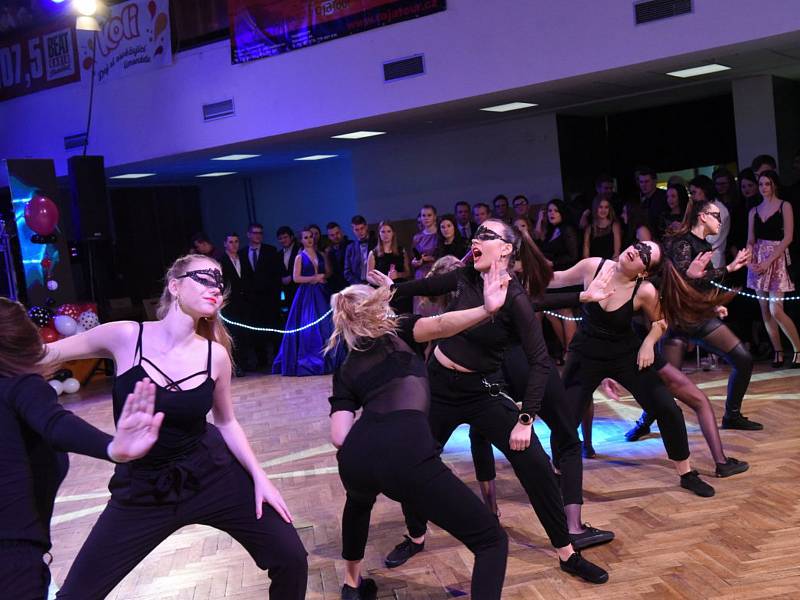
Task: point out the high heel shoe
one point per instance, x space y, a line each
795 364
777 359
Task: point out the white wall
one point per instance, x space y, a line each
475 47
392 178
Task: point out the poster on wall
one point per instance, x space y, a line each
38 59
261 28
135 38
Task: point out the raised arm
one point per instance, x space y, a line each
575 275
105 341
429 286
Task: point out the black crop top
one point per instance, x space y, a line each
682 250
609 325
771 229
481 348
184 410
35 433
387 376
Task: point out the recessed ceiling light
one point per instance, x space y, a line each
357 135
510 106
695 71
217 174
317 157
236 157
132 176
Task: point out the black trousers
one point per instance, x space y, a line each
23 572
462 398
582 375
559 414
377 458
125 533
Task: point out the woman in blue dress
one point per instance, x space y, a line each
301 352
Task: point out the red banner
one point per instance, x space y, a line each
262 28
39 59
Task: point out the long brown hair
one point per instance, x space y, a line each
212 328
21 347
536 272
379 247
361 314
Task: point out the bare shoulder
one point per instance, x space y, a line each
219 356
647 291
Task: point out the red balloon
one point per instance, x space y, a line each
48 335
71 310
41 215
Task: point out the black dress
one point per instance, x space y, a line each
602 244
383 263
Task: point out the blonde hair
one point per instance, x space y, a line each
211 328
361 314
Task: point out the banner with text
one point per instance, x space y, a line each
261 28
38 59
134 39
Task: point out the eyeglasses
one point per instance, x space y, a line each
520 203
645 253
716 215
484 234
211 278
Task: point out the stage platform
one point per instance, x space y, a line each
740 544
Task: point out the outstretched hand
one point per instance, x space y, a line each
697 268
137 427
379 279
495 286
600 288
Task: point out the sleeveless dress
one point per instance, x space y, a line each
602 245
769 235
383 263
301 353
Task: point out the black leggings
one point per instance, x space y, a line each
582 375
23 572
462 398
557 413
125 533
714 336
377 458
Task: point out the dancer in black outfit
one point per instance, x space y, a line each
196 472
466 385
35 434
607 346
385 375
688 303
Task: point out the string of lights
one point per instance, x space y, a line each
754 296
555 314
271 330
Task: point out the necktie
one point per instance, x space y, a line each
253 258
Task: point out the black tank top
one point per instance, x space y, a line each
184 410
772 228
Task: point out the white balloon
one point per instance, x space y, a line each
65 325
71 385
52 285
57 386
89 319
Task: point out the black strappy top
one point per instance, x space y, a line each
772 228
184 410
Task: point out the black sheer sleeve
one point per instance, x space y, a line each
530 333
429 286
405 331
37 405
553 301
342 398
682 255
564 261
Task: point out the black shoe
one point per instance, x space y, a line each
590 537
641 429
367 590
692 482
577 565
795 364
588 451
402 552
731 467
777 359
739 421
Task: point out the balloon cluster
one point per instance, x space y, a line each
41 216
67 320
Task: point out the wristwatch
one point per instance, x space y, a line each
525 419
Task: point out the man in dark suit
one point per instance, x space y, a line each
466 226
236 307
287 252
335 254
261 275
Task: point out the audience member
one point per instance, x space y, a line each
480 212
763 162
321 242
466 226
603 235
521 207
335 255
288 249
201 244
449 241
355 261
500 204
391 259
670 220
236 307
748 187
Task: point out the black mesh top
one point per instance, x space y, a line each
481 347
387 376
682 250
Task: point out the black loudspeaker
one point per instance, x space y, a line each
91 217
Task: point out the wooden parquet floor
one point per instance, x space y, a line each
741 544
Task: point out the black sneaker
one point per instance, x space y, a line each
692 482
731 467
588 451
641 429
577 565
590 537
402 552
739 421
367 590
